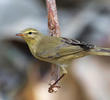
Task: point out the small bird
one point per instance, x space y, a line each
59 50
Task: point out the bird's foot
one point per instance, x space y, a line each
53 87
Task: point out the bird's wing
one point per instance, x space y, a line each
54 47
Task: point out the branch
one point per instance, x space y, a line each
53 24
54 30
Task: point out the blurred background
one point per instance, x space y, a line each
22 77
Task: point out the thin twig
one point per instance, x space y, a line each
54 30
53 24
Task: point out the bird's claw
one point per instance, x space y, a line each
53 87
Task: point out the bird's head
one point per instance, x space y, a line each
30 34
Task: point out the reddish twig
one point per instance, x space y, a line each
54 30
53 24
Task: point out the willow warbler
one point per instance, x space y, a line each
58 50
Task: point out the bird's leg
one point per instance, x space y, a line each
53 87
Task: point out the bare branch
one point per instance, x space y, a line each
54 30
53 24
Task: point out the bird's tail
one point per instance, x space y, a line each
100 51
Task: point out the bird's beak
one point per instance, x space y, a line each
20 34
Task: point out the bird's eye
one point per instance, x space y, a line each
30 33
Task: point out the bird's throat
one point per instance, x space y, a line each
33 43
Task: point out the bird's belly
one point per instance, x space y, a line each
69 58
